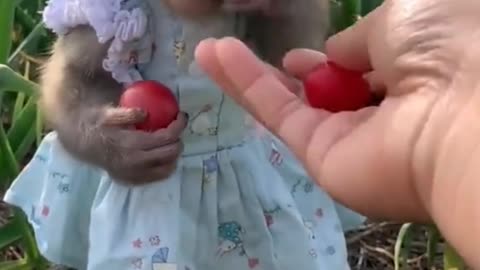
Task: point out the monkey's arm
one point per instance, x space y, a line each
79 100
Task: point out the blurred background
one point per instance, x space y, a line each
24 46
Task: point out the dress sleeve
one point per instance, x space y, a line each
123 23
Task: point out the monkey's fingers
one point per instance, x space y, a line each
140 140
123 116
157 156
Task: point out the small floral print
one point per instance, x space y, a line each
312 252
308 187
137 263
230 234
330 250
319 212
59 175
211 164
203 123
310 226
276 158
179 49
295 186
210 169
154 240
213 131
63 187
41 158
45 211
137 243
253 262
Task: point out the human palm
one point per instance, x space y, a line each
408 158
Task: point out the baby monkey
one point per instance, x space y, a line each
80 99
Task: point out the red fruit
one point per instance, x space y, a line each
336 89
156 99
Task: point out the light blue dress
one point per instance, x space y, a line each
238 200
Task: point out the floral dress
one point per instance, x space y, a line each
238 199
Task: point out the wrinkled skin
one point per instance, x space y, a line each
412 158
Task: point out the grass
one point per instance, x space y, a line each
23 46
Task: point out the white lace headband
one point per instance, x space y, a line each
111 20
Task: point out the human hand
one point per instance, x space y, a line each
411 158
130 156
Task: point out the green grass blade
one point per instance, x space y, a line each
30 246
433 236
22 132
17 108
24 19
7 11
39 127
369 5
451 259
25 145
16 265
8 162
20 100
9 234
12 81
402 246
36 33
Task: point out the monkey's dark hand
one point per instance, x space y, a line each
130 156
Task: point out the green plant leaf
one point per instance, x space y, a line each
25 145
433 238
12 81
7 159
451 259
24 19
24 124
36 33
39 127
19 103
30 246
369 5
402 246
9 234
7 11
16 265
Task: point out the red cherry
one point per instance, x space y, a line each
156 99
336 89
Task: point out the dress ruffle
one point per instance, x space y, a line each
112 21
